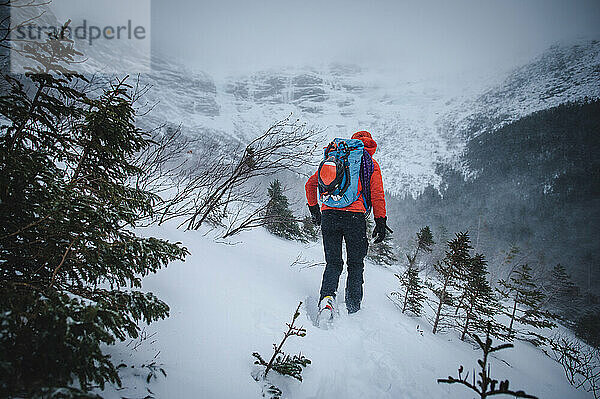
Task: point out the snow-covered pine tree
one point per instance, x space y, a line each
382 253
413 291
413 286
69 258
478 301
562 294
527 300
451 270
280 220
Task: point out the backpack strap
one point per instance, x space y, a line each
366 171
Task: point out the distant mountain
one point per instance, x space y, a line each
535 184
339 98
563 73
418 124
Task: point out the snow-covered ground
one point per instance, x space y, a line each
231 299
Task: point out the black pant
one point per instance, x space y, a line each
352 227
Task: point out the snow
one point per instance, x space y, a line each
230 299
418 123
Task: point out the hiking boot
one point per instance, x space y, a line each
327 303
326 309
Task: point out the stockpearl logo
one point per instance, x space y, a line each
113 36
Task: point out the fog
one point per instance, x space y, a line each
415 38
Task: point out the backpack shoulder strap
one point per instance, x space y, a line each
366 171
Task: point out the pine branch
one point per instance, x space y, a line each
486 386
284 365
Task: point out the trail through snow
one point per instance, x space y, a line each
228 301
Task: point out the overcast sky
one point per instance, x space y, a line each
417 38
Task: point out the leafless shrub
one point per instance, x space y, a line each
221 188
203 182
302 263
580 362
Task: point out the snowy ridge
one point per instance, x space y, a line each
417 124
563 73
228 301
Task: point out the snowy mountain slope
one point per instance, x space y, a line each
562 73
230 300
416 123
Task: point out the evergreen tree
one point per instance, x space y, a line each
69 259
451 271
478 301
562 294
527 300
280 361
279 218
413 294
424 244
485 385
381 253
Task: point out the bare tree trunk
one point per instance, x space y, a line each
465 329
512 318
439 309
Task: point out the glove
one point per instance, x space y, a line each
315 214
380 229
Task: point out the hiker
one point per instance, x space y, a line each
343 214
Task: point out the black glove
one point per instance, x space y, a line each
315 214
380 229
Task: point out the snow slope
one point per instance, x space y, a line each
231 299
417 123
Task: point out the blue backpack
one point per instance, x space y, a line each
345 161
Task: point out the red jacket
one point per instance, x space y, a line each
377 195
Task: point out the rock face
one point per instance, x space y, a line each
193 94
179 96
417 124
280 88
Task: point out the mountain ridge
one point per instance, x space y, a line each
418 124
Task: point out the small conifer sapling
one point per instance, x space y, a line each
485 385
281 362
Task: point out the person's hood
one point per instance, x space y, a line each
365 137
